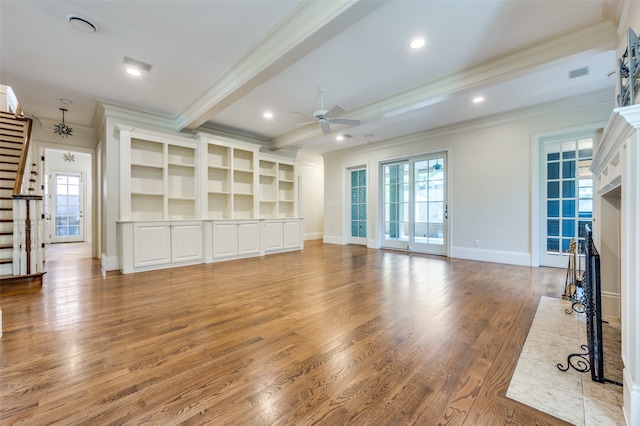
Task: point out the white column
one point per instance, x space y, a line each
630 275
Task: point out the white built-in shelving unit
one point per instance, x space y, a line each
239 201
277 188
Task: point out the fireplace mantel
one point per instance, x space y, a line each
616 163
622 125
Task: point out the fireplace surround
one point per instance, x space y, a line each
615 166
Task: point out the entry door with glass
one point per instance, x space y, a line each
567 203
358 224
415 204
66 206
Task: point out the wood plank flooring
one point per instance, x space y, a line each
331 335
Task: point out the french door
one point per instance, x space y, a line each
358 203
567 197
415 206
66 207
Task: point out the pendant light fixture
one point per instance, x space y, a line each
62 129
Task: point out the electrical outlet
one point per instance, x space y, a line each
476 243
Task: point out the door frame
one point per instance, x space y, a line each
93 231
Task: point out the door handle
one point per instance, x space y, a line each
446 211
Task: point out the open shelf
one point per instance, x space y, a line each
242 206
181 208
218 206
285 172
180 181
180 155
242 160
268 168
242 182
218 180
146 179
286 209
147 153
218 156
268 209
147 207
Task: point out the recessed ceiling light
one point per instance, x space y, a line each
417 43
267 115
478 99
65 101
339 138
82 24
135 67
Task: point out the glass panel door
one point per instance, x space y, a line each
396 205
430 208
66 207
567 193
415 204
358 179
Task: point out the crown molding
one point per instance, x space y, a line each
576 102
128 115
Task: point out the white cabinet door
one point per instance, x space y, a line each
291 233
225 239
273 235
248 238
152 244
186 241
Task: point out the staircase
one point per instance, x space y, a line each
15 248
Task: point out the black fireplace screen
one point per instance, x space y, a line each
592 304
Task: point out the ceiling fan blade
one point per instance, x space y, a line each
302 113
325 127
348 121
335 111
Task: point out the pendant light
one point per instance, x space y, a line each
62 129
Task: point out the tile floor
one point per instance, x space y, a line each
571 395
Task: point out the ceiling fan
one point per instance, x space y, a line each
325 117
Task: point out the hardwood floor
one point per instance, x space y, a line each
329 335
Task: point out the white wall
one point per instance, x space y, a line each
490 172
311 198
83 142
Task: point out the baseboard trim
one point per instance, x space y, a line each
610 304
631 399
495 256
332 239
313 236
108 263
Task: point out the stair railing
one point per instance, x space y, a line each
28 229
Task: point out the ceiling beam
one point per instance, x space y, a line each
310 25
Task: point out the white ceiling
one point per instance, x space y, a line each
223 63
